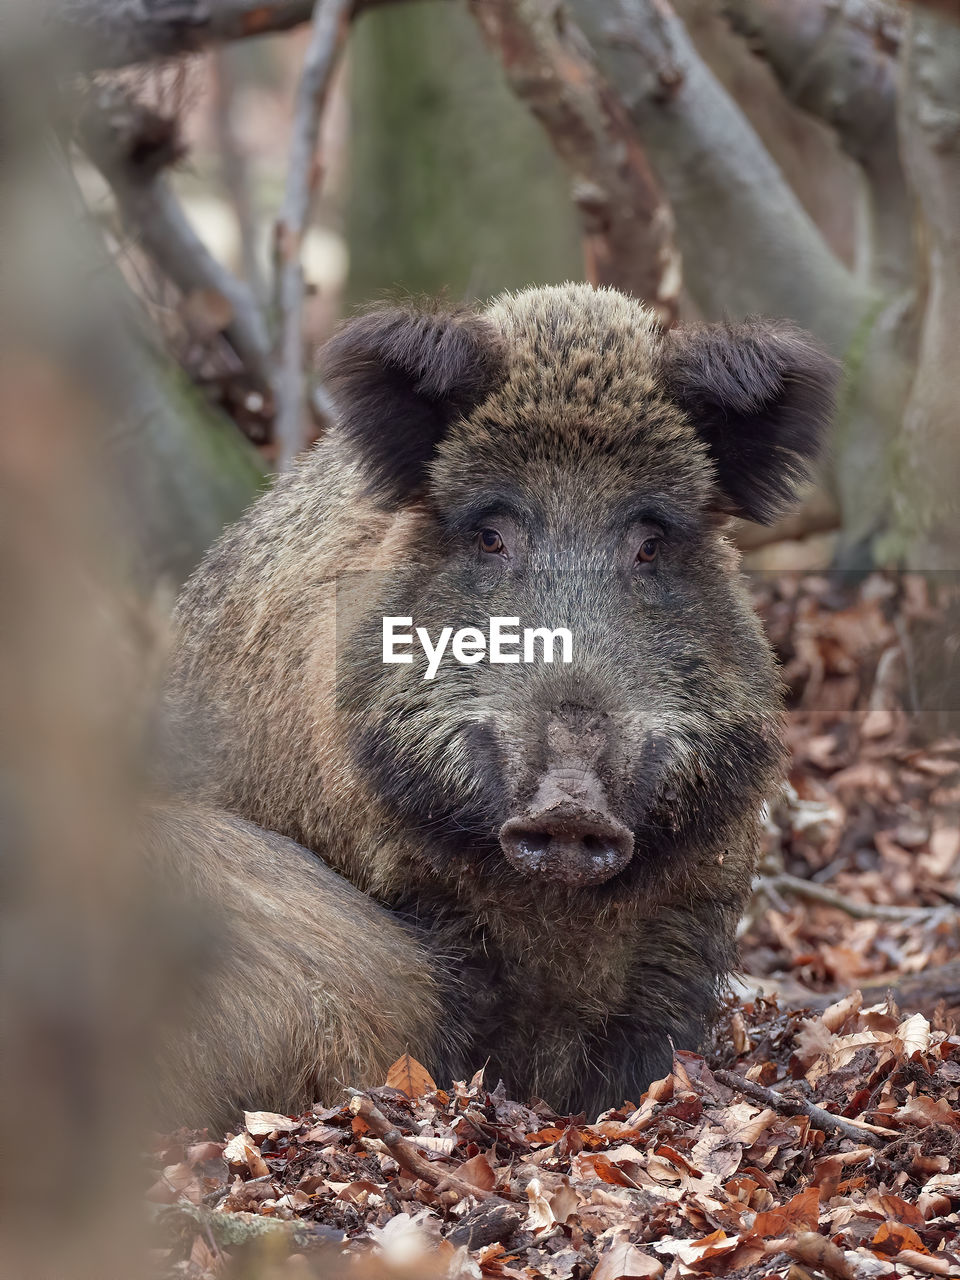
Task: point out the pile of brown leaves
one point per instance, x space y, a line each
872 814
839 1156
808 1145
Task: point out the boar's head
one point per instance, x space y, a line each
567 463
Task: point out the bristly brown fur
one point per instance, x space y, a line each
285 983
567 418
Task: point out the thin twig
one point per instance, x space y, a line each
857 1130
328 34
800 888
406 1154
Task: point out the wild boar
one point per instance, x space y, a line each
537 863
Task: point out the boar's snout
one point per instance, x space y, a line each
565 841
566 831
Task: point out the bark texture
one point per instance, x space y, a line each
927 509
747 243
841 70
627 221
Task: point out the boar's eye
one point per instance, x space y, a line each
490 542
649 550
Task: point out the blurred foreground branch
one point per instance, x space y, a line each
102 34
95 954
179 470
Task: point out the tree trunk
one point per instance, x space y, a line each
927 534
454 188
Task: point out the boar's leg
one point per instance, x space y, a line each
582 1023
305 982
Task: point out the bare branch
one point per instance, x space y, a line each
814 892
407 1155
835 62
627 222
747 243
330 25
99 34
857 1130
112 129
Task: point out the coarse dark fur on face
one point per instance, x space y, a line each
584 492
574 841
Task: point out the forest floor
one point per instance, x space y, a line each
819 1136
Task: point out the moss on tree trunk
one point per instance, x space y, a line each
454 186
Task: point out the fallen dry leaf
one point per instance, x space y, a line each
410 1077
624 1261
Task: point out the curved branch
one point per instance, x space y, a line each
833 67
834 61
112 130
747 243
627 222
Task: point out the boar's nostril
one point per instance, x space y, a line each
568 844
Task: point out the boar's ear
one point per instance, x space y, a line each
761 395
398 378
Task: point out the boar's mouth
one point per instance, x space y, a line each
566 842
